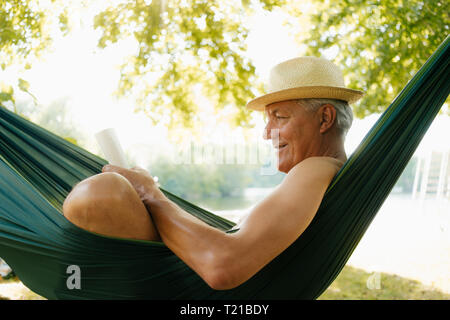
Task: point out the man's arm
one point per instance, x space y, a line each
224 260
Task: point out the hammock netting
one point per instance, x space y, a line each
38 170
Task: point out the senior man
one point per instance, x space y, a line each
307 106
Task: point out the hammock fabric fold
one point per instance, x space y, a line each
38 169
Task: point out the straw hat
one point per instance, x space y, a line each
305 77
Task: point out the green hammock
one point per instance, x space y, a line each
38 169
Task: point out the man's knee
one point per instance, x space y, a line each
108 204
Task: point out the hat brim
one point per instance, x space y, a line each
325 92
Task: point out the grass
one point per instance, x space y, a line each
351 284
354 284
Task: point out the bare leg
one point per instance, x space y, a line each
108 204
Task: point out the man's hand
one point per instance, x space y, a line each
141 180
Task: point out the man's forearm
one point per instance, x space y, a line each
199 245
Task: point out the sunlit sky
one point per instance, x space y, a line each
88 76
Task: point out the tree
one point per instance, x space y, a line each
22 31
379 43
184 47
55 117
199 181
25 33
187 48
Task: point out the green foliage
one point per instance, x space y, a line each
25 87
184 47
380 43
21 30
200 181
54 117
24 36
64 22
196 48
7 94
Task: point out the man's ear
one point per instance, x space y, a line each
327 114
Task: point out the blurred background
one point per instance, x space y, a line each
173 77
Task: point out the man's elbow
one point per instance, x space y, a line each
222 280
222 276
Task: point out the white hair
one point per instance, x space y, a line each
344 114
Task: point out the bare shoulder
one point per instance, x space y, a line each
315 167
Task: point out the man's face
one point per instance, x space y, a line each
298 131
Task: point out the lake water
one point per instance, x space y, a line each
410 238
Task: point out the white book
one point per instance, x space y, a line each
111 148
